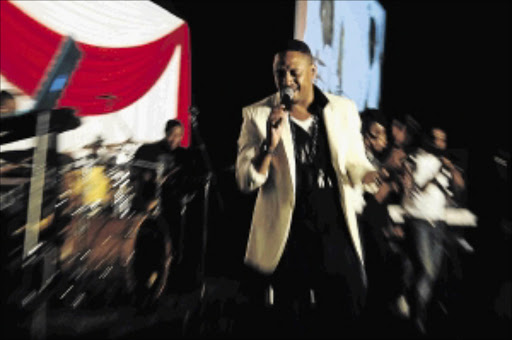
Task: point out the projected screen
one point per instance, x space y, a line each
347 41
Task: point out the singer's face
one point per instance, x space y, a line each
295 70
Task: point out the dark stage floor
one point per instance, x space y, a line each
213 309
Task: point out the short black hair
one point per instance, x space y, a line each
171 124
412 125
369 116
295 45
414 132
4 96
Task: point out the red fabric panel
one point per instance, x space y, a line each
185 89
106 79
26 48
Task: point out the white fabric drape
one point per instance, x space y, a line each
103 23
110 24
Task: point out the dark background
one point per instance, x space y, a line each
445 62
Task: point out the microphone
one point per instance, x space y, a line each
286 97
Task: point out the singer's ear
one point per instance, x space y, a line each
314 70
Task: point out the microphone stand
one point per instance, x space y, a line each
209 180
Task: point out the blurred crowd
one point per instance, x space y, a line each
406 216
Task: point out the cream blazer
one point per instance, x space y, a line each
276 190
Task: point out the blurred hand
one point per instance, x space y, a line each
397 231
372 177
447 163
396 158
275 126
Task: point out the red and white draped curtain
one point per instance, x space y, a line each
134 74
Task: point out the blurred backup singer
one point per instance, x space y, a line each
302 149
433 176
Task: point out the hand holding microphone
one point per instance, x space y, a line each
278 113
286 95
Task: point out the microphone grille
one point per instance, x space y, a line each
286 97
287 92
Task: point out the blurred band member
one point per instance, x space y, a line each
7 102
163 171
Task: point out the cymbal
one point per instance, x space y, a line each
13 181
99 144
113 146
93 145
120 144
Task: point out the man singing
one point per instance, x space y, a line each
303 150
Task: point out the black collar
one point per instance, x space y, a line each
320 101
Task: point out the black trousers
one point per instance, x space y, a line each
317 290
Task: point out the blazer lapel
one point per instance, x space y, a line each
332 128
289 150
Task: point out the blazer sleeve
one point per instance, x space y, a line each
357 163
249 141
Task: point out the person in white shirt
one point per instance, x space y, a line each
431 176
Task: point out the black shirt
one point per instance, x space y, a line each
177 166
317 200
319 245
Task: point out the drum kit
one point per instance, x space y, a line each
108 252
99 182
